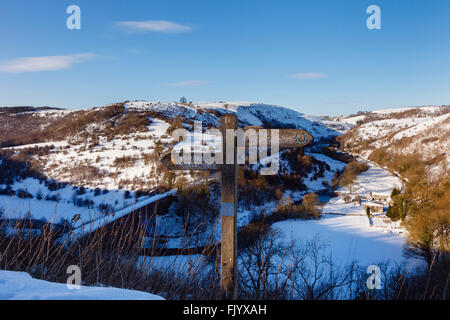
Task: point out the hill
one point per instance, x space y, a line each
423 132
104 159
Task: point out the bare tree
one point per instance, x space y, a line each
258 275
272 269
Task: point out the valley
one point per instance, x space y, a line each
86 170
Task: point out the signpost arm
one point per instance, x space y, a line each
228 210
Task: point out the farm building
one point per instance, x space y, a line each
379 197
374 207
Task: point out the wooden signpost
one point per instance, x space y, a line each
229 200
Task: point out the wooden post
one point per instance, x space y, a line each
228 211
228 207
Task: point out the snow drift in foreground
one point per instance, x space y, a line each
21 286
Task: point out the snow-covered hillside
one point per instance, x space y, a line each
103 160
248 113
423 130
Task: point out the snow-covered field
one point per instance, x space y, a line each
348 238
347 231
21 286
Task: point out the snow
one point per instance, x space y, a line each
345 227
393 110
15 208
353 120
106 153
381 128
158 127
39 145
387 121
340 125
54 211
334 164
376 180
421 130
69 160
428 109
21 286
317 184
425 125
98 222
349 238
249 114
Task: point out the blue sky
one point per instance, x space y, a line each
317 57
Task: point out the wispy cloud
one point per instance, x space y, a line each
189 83
162 26
309 75
46 63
